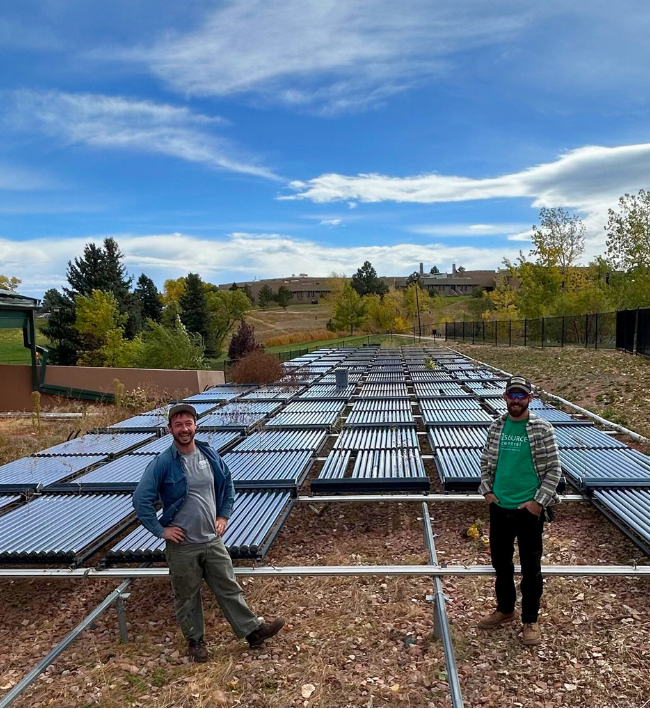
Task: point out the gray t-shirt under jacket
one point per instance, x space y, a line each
197 516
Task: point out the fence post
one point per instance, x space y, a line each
510 333
473 330
596 327
496 333
543 332
586 331
525 332
483 331
563 326
463 331
636 332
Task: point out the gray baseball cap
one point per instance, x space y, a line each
181 409
519 382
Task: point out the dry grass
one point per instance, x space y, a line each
276 322
304 336
612 384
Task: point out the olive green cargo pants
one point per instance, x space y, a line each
188 565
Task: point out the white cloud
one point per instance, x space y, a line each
589 180
467 229
328 56
115 122
330 222
580 178
41 263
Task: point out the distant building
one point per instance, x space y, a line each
304 288
309 289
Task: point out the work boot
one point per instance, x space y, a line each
264 632
532 634
197 651
495 620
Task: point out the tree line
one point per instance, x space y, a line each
549 280
100 318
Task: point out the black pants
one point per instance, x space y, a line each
526 528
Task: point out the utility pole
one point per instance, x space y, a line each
417 301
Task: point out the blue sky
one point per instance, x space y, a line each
252 139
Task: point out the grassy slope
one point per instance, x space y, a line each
612 384
12 350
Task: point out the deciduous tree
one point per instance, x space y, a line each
628 233
170 347
243 342
9 282
225 309
350 310
559 240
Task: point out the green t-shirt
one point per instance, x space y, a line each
515 480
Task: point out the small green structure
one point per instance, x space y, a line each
17 312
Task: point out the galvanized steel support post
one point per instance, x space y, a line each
121 617
51 656
441 627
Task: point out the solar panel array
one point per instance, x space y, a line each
270 436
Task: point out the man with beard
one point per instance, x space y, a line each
520 471
197 496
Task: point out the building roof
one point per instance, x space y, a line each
9 300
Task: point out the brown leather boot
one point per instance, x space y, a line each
532 635
264 632
495 620
197 650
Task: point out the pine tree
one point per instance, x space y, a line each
194 306
283 296
265 296
365 281
148 298
249 294
64 340
101 268
234 286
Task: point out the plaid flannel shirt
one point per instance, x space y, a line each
546 458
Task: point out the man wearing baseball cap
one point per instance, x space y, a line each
197 496
520 472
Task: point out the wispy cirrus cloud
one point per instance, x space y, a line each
580 178
327 56
589 180
20 179
120 123
241 255
477 230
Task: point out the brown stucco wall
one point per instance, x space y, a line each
16 382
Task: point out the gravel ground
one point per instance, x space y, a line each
359 642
